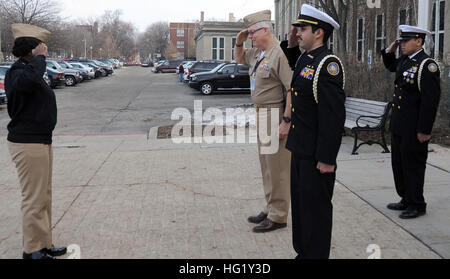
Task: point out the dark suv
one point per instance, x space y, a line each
225 77
203 66
168 67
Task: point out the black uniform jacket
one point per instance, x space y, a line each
317 125
31 102
414 111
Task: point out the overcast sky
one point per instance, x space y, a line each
144 12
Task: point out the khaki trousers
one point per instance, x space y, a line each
275 169
34 166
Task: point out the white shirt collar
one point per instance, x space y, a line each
414 55
262 54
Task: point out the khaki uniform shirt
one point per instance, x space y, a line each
273 75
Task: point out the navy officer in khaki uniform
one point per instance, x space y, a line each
415 103
318 117
270 77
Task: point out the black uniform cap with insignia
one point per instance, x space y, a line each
312 16
409 32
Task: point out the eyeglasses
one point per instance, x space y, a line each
254 31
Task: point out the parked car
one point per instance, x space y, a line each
83 72
203 66
99 71
157 64
108 66
72 76
168 67
106 69
187 67
6 64
2 92
4 69
225 77
90 71
147 64
57 77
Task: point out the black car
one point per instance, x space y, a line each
56 77
203 66
225 77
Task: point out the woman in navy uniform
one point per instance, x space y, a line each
415 103
318 117
33 112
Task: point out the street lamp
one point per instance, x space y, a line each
91 51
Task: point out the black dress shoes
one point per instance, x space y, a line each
56 251
46 254
41 255
268 226
397 206
412 213
258 219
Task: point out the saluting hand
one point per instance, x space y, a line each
41 49
242 37
324 168
293 41
393 47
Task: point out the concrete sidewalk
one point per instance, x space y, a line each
125 196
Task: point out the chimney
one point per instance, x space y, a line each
202 16
232 18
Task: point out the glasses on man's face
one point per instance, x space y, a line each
252 32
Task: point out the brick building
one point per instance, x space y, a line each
182 40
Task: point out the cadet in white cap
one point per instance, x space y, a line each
318 117
270 77
414 108
33 112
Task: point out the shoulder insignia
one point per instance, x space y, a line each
432 68
333 69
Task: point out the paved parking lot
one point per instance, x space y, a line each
133 100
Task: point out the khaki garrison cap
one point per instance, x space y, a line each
25 30
252 19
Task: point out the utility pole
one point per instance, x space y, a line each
85 46
1 53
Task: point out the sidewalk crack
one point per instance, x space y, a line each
87 184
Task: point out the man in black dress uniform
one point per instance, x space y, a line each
416 100
318 117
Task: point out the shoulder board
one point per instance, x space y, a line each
319 69
422 66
